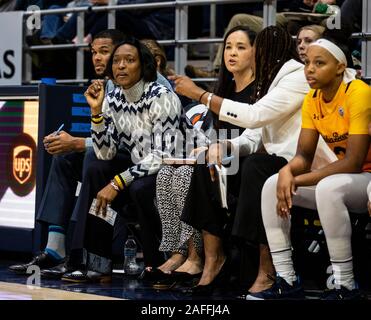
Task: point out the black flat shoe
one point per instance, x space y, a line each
152 274
79 276
175 278
43 260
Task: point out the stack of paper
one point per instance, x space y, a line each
222 183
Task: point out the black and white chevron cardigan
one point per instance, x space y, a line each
142 120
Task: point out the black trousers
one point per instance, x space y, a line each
58 200
202 209
97 233
59 205
255 170
101 169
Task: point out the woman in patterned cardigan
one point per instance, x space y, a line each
139 116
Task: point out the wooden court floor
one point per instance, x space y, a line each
14 287
15 291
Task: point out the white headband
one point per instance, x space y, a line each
338 54
332 48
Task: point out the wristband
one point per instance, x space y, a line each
118 182
209 100
97 120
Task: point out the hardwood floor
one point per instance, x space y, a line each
14 291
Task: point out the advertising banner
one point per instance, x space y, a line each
10 48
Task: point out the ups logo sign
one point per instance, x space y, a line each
22 163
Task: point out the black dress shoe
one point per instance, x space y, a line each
56 272
80 276
175 278
219 281
43 260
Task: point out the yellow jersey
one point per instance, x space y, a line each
349 112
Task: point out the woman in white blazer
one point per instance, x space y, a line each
280 90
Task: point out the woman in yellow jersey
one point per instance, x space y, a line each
337 108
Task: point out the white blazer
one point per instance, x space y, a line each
275 120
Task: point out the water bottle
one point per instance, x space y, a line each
314 246
324 8
131 266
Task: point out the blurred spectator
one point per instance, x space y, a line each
160 58
351 15
255 23
146 23
161 61
42 4
51 23
22 5
159 53
310 6
7 5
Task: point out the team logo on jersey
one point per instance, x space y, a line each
341 111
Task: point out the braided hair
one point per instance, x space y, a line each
274 47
